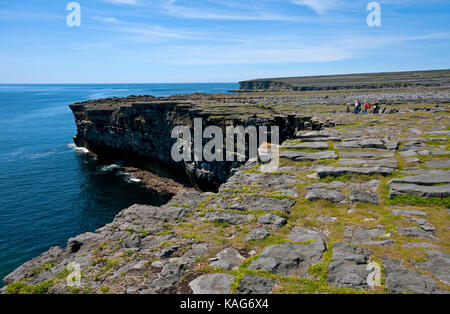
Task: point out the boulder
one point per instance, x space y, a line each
83 242
255 285
228 259
273 220
257 234
212 284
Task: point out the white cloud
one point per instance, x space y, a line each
320 6
128 2
192 12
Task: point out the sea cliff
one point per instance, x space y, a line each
358 204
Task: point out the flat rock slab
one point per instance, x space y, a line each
438 264
368 154
313 134
300 234
302 156
273 220
361 236
420 245
212 284
257 234
408 153
438 164
255 285
403 212
364 143
228 259
228 217
267 180
363 197
416 232
149 215
371 185
308 145
420 190
349 266
169 276
324 172
325 194
440 152
348 275
390 162
427 172
322 139
268 204
289 259
344 252
403 280
439 133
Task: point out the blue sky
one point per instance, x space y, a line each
152 41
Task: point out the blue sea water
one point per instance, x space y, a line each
49 190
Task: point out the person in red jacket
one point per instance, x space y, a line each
366 107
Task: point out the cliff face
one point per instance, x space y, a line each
139 129
414 79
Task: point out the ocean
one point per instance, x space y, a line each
50 190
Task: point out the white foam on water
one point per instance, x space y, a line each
82 150
129 177
41 155
134 180
109 168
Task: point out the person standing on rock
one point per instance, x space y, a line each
376 107
357 105
366 107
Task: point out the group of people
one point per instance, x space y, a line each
366 108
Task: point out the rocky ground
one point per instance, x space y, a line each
374 190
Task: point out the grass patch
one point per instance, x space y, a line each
415 200
20 287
